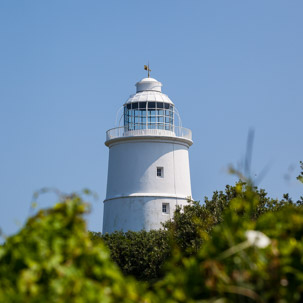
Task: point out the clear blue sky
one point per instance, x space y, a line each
66 67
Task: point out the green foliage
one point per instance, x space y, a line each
240 246
140 254
144 254
300 177
221 200
191 226
52 259
233 266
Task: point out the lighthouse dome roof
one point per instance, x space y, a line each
149 89
150 84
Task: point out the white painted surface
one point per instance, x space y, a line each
183 134
137 213
148 84
135 193
133 168
152 96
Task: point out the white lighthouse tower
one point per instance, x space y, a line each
148 169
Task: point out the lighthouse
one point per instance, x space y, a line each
148 167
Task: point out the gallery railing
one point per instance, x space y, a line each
125 131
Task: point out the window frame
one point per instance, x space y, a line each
165 208
161 170
149 115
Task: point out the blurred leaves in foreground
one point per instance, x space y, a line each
240 246
244 260
52 259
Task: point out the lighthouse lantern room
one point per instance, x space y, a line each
148 168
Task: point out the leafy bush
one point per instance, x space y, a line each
140 254
300 177
244 260
52 259
192 225
143 254
241 246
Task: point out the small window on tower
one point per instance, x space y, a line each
160 172
165 208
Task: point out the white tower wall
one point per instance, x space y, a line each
137 213
135 194
148 168
133 168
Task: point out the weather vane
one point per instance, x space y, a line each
146 67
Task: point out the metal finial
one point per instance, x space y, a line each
146 67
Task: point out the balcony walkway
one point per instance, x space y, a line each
122 132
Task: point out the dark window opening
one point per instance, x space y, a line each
159 171
142 105
165 208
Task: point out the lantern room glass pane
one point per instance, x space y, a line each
149 115
152 125
142 105
151 105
